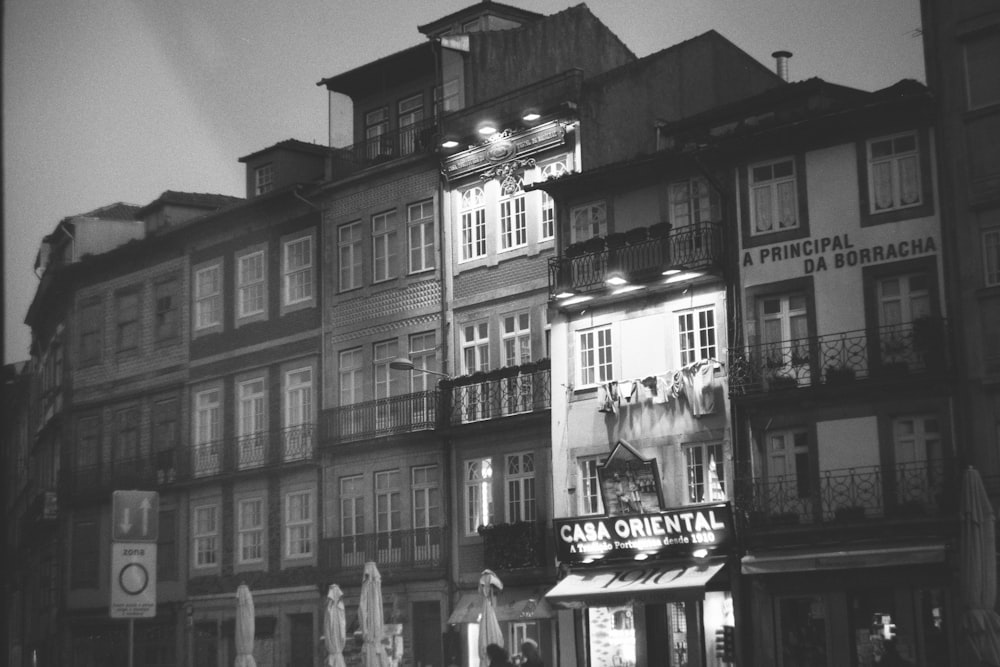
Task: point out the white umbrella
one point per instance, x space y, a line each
244 628
978 569
489 626
370 615
334 627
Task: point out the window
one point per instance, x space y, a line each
548 226
423 354
205 531
91 319
475 347
250 533
166 546
388 521
513 220
410 113
251 423
208 297
516 339
785 331
87 451
126 440
981 57
263 179
473 224
166 437
991 256
386 382
250 281
448 96
595 356
298 414
693 202
590 485
376 129
893 173
589 221
774 203
167 319
520 487
425 485
207 431
86 554
478 495
901 300
352 519
351 376
420 231
299 524
706 473
349 251
697 335
127 321
788 471
917 447
383 246
298 263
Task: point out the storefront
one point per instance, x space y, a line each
648 589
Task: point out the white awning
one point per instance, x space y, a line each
841 559
627 583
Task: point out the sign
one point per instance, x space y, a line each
133 580
630 484
505 147
135 516
671 533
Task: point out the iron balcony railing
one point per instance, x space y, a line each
511 546
841 358
389 145
416 411
499 394
904 490
421 547
690 247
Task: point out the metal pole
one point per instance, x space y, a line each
131 637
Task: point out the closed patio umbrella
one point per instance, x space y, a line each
370 615
245 626
334 627
978 569
489 626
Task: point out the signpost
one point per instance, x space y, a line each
134 530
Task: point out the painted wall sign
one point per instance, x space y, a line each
505 147
837 252
670 533
630 484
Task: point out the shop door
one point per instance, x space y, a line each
802 632
300 635
427 634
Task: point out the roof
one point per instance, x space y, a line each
483 7
116 211
290 145
191 199
387 71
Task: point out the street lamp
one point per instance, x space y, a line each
404 364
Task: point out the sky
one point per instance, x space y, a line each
120 100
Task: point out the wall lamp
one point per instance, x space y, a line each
404 364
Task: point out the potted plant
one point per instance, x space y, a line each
660 230
594 244
615 240
636 235
575 249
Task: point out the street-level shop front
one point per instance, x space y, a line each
647 589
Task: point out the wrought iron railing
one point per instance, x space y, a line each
840 358
390 145
912 489
416 411
497 395
510 546
690 247
421 547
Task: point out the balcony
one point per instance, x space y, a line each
502 393
419 548
409 140
512 546
906 490
247 452
639 256
840 359
382 417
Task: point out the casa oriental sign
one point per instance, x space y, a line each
694 530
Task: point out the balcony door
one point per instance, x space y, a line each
386 384
426 513
788 490
901 300
785 337
298 414
250 425
388 517
918 450
207 431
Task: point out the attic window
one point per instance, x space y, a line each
263 179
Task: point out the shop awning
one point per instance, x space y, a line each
841 559
511 605
651 582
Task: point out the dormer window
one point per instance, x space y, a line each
263 179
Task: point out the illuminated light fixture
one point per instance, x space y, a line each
615 280
699 553
641 556
487 129
626 289
681 277
564 295
671 272
576 299
449 143
530 116
587 561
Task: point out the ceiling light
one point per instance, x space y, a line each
615 280
671 272
449 143
699 553
626 288
531 116
564 295
681 277
576 299
641 556
487 130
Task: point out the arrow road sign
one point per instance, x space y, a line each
135 516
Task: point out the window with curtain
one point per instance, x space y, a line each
773 197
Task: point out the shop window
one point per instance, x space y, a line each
612 636
802 632
520 487
677 620
349 255
706 473
478 495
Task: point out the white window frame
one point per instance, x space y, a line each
250 517
208 297
772 185
697 336
351 376
513 220
697 461
352 506
521 490
252 289
692 202
251 421
547 219
478 495
349 240
388 511
588 221
475 346
420 236
515 338
472 224
991 257
591 499
385 380
207 430
299 411
300 524
985 65
423 354
894 161
596 346
205 536
383 246
297 270
263 178
426 496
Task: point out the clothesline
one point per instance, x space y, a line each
692 380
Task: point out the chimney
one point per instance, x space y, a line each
782 63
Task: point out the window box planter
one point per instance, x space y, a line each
660 230
575 250
616 240
637 235
595 244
